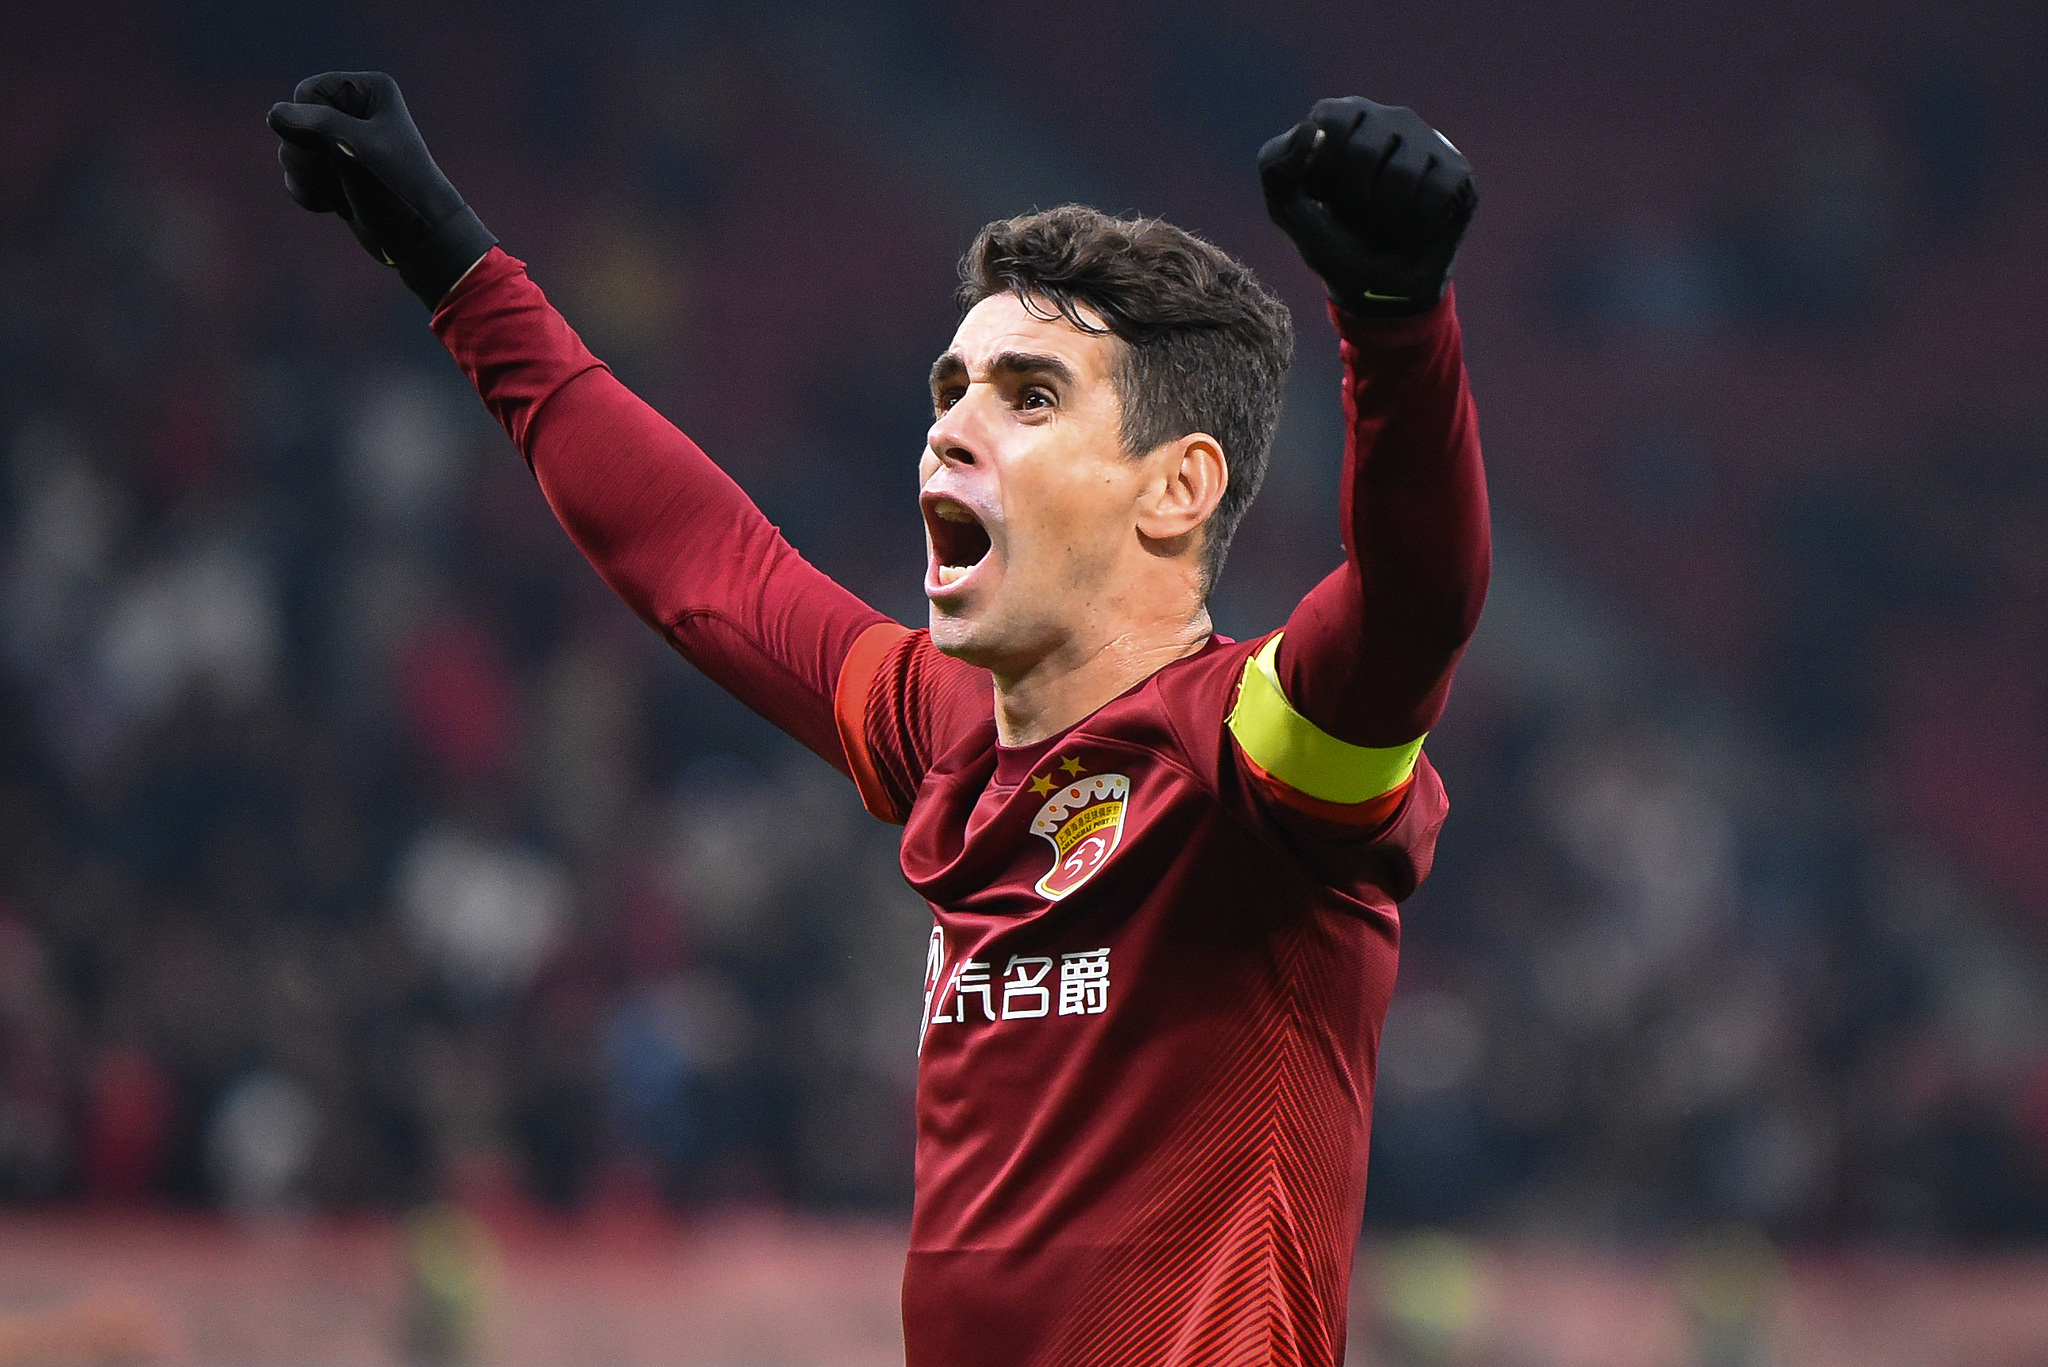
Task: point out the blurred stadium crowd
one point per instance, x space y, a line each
356 847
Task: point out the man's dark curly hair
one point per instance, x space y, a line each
1205 345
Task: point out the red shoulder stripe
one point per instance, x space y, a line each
850 711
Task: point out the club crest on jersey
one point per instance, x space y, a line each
1083 821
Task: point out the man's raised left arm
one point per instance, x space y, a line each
1335 708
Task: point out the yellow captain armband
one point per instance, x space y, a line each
1300 754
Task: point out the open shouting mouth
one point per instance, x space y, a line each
959 544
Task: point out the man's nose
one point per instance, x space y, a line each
953 437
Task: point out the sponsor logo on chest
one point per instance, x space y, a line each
1026 990
1083 821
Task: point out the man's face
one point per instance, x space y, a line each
1028 497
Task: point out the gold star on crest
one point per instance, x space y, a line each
1040 785
1071 765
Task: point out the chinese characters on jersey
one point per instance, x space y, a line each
1024 989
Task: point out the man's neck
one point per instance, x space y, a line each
1063 689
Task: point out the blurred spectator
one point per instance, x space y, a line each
1731 1279
35 1156
485 912
448 1264
260 1141
125 1127
458 702
1429 1302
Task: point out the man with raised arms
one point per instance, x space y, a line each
1163 866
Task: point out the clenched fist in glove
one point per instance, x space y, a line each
350 148
1376 200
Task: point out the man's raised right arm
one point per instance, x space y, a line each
664 526
671 533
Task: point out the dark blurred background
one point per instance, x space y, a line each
358 851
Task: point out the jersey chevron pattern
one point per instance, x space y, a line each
1163 943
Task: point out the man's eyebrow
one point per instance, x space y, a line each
1032 363
951 366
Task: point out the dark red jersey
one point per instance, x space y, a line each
1164 941
1153 1001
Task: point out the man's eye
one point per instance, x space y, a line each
945 399
1036 398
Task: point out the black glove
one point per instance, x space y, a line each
1376 200
350 148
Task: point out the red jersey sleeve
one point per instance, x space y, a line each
1369 653
1330 717
671 533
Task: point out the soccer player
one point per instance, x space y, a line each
1163 865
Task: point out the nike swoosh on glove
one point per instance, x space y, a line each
1376 200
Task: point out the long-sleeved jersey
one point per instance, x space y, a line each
1164 941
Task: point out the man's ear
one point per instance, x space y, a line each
1189 478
